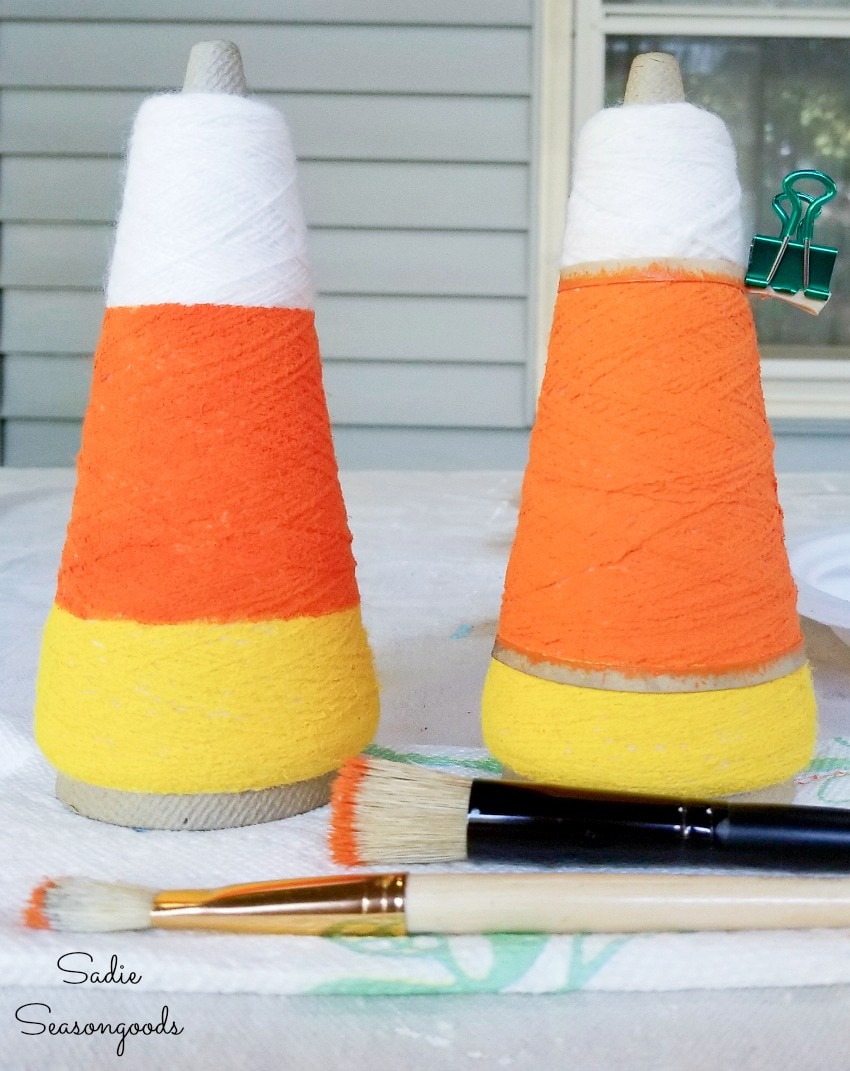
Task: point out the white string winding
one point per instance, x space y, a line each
654 180
211 212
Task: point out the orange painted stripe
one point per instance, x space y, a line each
660 668
650 272
207 483
650 537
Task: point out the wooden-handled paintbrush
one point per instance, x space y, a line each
397 904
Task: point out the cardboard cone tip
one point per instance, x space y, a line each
654 78
215 67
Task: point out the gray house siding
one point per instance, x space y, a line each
413 124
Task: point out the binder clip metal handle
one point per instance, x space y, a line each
790 221
791 262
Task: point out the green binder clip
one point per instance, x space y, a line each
791 262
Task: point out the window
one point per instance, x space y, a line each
777 74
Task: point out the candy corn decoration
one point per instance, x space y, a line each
204 663
648 638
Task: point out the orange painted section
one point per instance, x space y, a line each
650 536
207 483
653 272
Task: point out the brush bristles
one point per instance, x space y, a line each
389 812
86 906
33 914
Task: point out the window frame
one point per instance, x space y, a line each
811 388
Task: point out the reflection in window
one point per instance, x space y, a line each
787 105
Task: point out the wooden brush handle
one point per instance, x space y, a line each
621 903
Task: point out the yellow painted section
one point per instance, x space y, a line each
681 743
195 708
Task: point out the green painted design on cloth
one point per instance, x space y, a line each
484 764
835 789
827 763
583 968
506 959
831 771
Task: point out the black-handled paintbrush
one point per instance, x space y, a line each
388 812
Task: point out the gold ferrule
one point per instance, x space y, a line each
358 904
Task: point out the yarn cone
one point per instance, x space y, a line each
648 639
204 663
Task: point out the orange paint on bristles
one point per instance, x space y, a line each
345 794
650 536
34 916
208 487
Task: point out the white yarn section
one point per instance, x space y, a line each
211 213
654 180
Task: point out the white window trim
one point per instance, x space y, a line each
550 171
570 84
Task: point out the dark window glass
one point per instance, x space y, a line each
787 105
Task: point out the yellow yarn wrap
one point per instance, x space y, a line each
679 743
197 708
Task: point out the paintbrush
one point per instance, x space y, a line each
394 813
397 904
